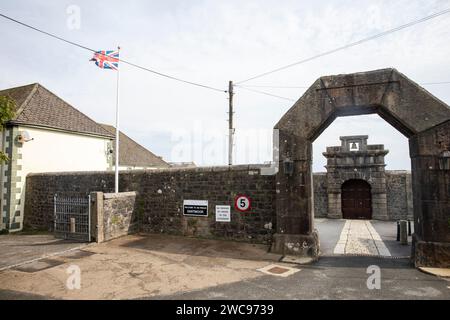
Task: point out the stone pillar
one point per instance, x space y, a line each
409 196
295 232
334 190
97 223
430 155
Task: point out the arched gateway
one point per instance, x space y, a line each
421 117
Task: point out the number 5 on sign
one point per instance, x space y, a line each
242 203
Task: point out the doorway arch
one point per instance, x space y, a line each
417 114
356 198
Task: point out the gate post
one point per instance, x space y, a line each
430 159
96 206
295 204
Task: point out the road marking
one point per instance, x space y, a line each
342 242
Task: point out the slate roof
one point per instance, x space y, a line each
190 164
39 107
133 154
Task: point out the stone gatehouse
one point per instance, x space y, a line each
357 186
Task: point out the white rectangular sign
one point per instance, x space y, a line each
198 208
223 213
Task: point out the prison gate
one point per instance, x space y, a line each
417 114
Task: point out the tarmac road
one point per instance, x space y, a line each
334 278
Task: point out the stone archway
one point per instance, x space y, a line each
421 117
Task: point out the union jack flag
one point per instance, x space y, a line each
107 59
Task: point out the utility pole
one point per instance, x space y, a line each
230 123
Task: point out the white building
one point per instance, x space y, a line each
46 135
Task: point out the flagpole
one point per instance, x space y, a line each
116 180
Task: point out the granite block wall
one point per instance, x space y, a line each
399 195
158 205
119 216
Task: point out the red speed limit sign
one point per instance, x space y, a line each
242 203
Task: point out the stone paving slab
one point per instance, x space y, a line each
358 237
278 271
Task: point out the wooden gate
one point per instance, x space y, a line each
356 200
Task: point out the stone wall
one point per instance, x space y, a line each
41 188
157 206
162 210
115 215
320 195
160 195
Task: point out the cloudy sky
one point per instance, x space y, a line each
212 42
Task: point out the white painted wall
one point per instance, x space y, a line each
54 151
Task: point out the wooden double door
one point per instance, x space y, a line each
356 200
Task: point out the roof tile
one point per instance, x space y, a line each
133 154
38 106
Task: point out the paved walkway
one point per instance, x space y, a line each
18 248
360 237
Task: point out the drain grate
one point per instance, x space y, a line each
279 271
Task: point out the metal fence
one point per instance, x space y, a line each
72 217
